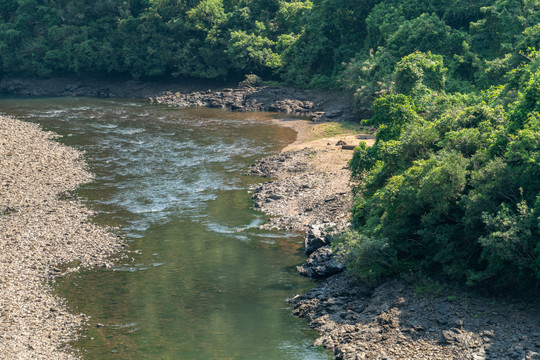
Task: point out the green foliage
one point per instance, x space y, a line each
419 70
454 191
367 257
502 23
367 78
209 17
352 45
511 246
392 113
251 80
252 52
425 33
333 32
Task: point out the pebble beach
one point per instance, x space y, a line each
42 228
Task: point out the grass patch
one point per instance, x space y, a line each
332 129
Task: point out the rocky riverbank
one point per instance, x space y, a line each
38 233
310 191
400 321
98 87
317 104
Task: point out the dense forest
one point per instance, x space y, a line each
352 44
452 184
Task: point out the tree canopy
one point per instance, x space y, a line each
328 43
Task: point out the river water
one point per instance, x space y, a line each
172 180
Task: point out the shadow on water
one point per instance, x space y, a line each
197 286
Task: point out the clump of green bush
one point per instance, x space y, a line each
251 80
453 189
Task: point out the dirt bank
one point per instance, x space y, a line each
99 87
38 233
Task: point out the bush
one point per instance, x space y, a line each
456 193
251 80
418 70
391 113
369 258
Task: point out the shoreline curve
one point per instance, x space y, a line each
38 233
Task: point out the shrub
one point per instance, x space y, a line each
417 70
251 80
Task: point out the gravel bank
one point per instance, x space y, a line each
301 193
38 233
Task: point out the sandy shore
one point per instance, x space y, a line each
312 182
38 233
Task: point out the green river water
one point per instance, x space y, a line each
172 181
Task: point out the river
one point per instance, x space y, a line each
203 281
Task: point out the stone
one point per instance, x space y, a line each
315 239
320 264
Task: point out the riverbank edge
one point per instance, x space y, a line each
418 319
44 234
397 319
310 192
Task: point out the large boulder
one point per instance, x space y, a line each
321 264
316 238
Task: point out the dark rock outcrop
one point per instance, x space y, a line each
321 264
316 237
320 106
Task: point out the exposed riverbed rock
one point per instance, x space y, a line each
317 237
319 105
393 321
320 264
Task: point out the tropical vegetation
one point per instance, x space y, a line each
452 184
